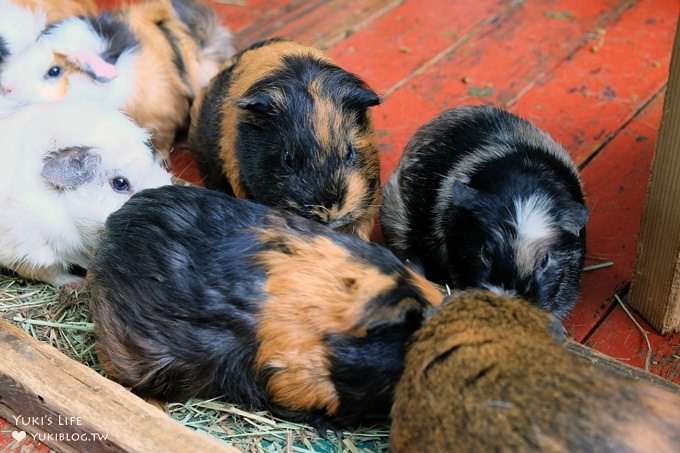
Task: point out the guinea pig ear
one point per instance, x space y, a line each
69 168
361 97
256 103
462 195
575 218
96 67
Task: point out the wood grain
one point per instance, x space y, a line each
71 408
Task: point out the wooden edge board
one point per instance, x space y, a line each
70 407
617 367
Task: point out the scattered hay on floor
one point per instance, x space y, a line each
63 320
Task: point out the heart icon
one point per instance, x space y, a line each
19 435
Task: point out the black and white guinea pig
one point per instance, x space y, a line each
483 199
285 126
489 372
149 59
65 167
195 292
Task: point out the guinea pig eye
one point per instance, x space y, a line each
349 153
287 160
54 72
120 184
485 254
545 262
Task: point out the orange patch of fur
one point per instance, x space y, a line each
318 290
431 292
161 98
56 10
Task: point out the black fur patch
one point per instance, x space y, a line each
177 59
4 50
205 138
198 18
118 36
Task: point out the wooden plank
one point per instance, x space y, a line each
655 290
238 15
594 92
316 22
390 49
618 367
614 183
499 63
334 20
70 407
618 337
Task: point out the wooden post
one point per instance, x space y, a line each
71 408
655 289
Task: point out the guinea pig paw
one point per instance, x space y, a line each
72 284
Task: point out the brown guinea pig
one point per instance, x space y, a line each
488 373
285 126
194 292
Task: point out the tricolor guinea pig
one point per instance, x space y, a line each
483 199
284 126
149 59
195 292
65 167
488 372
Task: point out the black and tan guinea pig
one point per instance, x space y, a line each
488 372
284 126
195 292
484 199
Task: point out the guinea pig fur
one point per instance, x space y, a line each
483 199
56 10
488 372
19 27
65 167
286 127
195 292
149 59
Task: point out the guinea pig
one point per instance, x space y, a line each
484 199
65 167
149 59
284 126
195 292
490 372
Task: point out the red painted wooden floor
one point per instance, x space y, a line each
591 72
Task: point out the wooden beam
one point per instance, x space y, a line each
617 367
71 408
655 289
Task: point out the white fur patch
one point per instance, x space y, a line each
535 231
19 26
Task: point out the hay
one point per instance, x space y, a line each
63 321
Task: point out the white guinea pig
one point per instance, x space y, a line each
65 167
